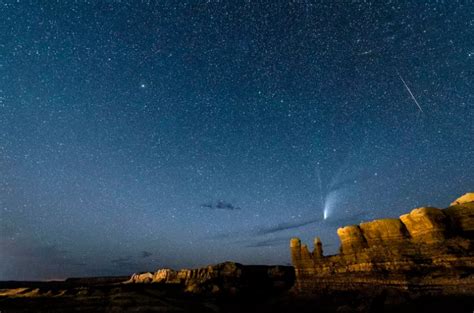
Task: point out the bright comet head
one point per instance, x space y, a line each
330 202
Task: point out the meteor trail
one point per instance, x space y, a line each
411 94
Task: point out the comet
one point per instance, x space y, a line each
331 199
409 91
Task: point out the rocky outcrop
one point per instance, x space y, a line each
466 198
227 277
461 215
351 238
383 232
428 249
426 225
141 278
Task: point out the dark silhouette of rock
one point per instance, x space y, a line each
428 250
96 280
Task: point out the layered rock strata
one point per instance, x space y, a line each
428 249
227 277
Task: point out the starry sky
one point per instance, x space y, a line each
136 135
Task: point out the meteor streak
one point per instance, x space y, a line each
411 94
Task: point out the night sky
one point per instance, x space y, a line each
136 135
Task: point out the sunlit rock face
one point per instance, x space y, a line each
351 239
227 278
467 198
427 250
461 214
141 278
383 232
426 225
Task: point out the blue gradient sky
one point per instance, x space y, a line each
138 134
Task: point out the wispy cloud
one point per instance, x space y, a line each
352 219
262 231
146 254
269 242
220 205
286 226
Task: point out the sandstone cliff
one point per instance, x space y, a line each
428 249
227 277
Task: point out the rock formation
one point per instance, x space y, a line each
428 249
227 277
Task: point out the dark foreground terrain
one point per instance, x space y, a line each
116 297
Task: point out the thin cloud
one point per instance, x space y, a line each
286 226
263 230
146 254
220 205
269 242
354 219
